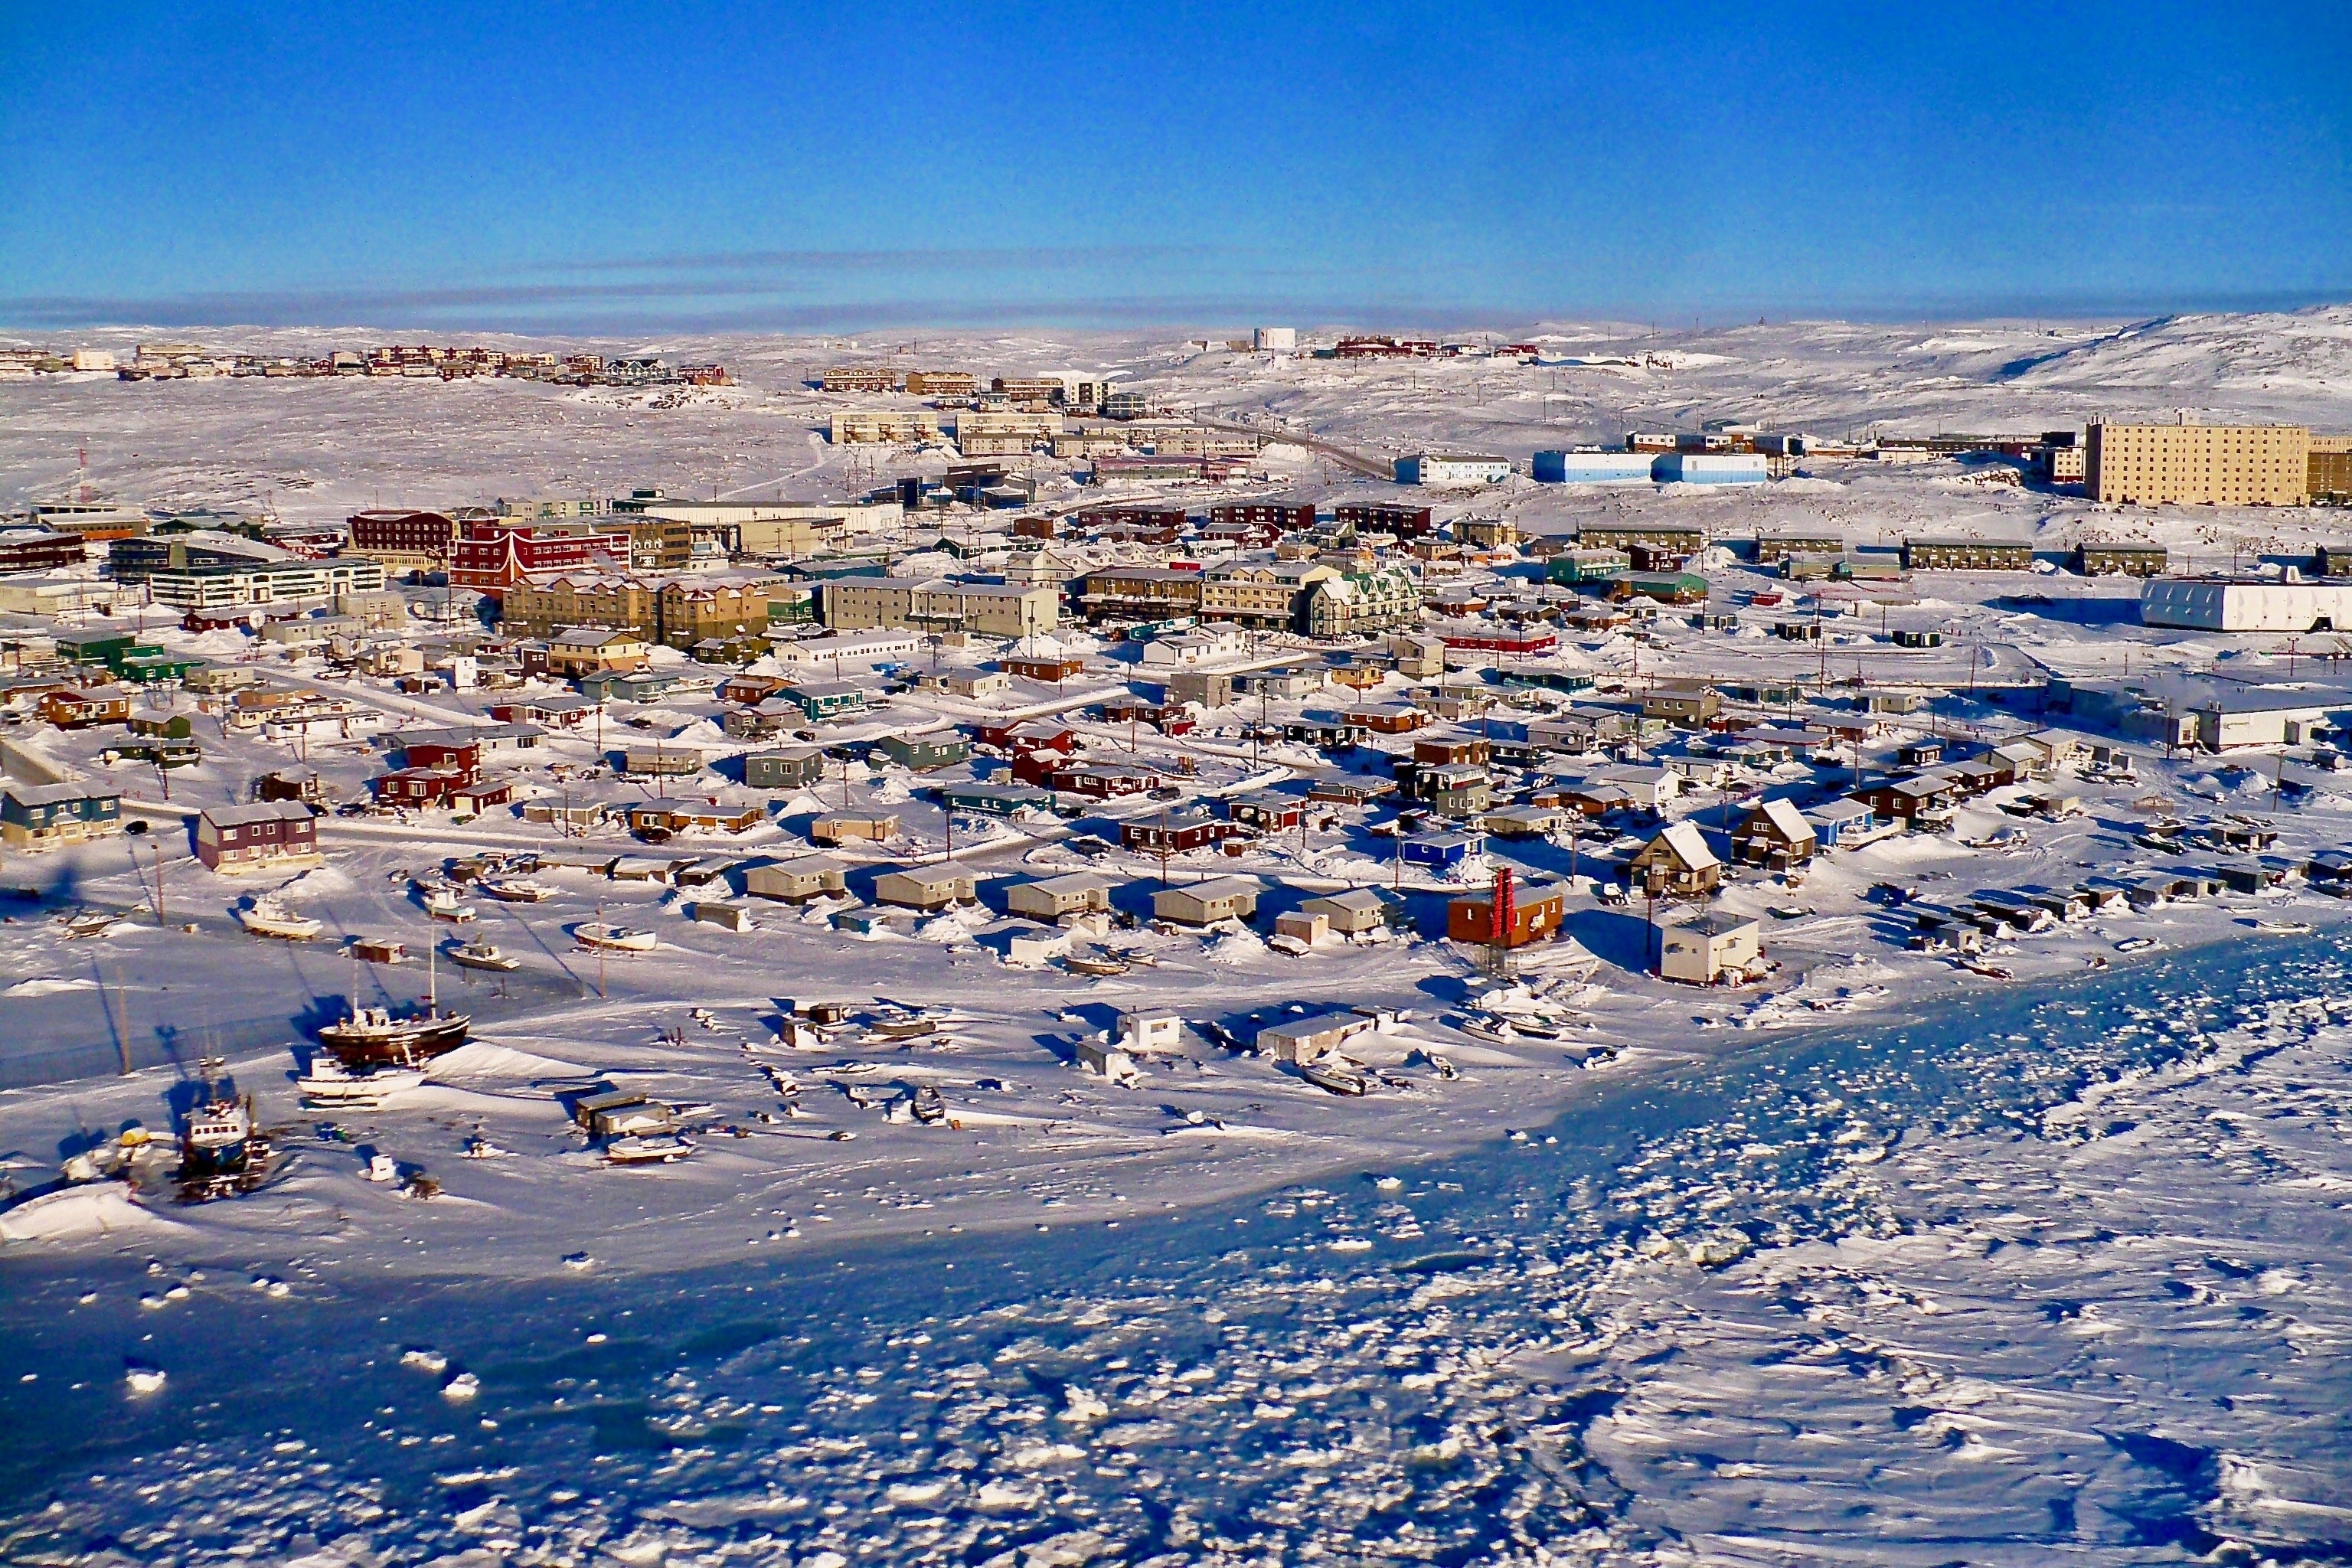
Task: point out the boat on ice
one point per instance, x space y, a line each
483 955
376 1037
647 1149
264 915
1334 1079
515 891
444 904
611 938
329 1082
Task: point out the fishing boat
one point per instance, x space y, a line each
930 1108
515 891
444 904
220 1143
264 915
375 1037
610 938
2283 928
329 1082
1076 964
1334 1080
482 955
647 1149
1494 1032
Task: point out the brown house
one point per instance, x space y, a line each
1676 864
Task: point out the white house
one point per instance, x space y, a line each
1458 470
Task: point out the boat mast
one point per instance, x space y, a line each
433 979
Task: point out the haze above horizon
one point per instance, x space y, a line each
713 167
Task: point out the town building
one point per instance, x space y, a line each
1592 467
797 880
1709 468
1775 834
49 816
2120 560
1355 603
1198 904
591 650
493 554
1459 470
1010 610
787 767
2207 465
884 426
402 540
2219 604
267 835
39 550
1140 593
1050 897
1703 949
1967 555
1675 863
925 888
1538 912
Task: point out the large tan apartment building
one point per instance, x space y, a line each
679 611
2199 465
884 426
2330 469
990 609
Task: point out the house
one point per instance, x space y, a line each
579 651
1202 688
1845 824
1525 821
1100 783
850 828
797 880
1775 834
81 707
925 888
1387 718
1206 903
762 721
1441 851
662 817
1676 863
1308 1039
1924 803
1302 925
1351 913
996 800
42 816
1538 913
1051 898
1684 704
288 784
1709 948
823 700
659 761
262 836
162 725
1264 811
1051 669
1348 789
925 753
1154 836
787 767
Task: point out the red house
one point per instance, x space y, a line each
262 836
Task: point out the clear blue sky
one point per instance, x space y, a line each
636 166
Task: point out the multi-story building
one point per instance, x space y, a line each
1279 515
1140 593
404 541
136 560
1967 555
992 609
860 378
263 837
493 554
612 600
97 522
1003 432
947 385
39 550
210 588
659 544
2328 469
1384 517
686 610
1355 603
884 426
2209 464
1452 470
1268 594
44 817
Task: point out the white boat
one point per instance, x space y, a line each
2284 928
483 955
329 1082
516 890
1334 1080
614 938
265 916
647 1149
1494 1033
444 904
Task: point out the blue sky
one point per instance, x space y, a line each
683 166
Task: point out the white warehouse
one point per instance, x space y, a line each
1592 467
2221 605
1456 469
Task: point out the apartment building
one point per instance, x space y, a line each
678 611
1141 592
204 588
2199 465
1355 603
947 385
992 609
1268 594
2329 470
859 378
494 554
884 426
403 539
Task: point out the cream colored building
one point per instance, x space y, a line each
884 426
1268 594
992 609
2199 465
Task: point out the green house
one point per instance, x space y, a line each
826 699
924 753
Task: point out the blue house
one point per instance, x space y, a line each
42 816
1441 851
1840 823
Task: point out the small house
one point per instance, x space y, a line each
925 753
1441 851
651 818
1351 913
1775 834
823 701
83 707
1538 911
1153 835
726 917
1107 1061
661 762
162 725
1709 948
797 880
1051 898
1842 824
854 827
925 888
1206 903
1267 812
1676 863
1310 1039
263 837
785 767
1302 925
1525 821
